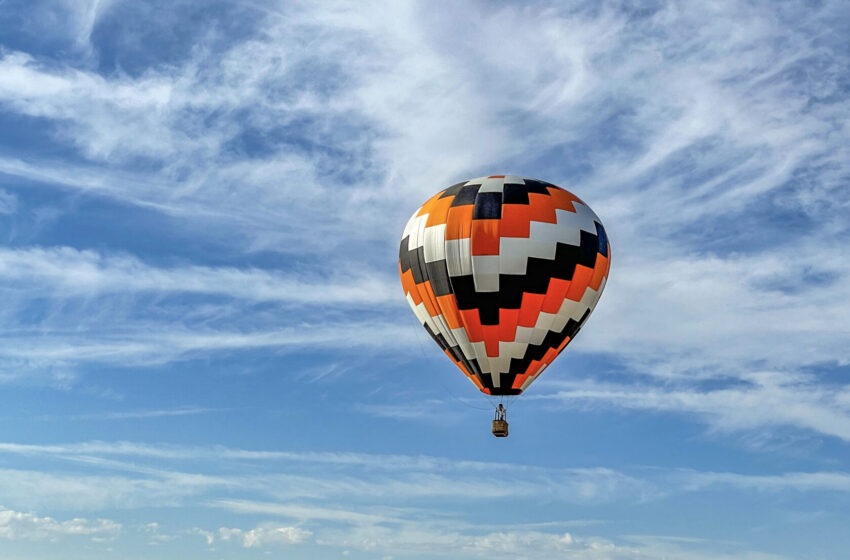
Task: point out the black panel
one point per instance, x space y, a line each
466 195
538 273
438 274
403 259
488 206
438 338
505 382
515 194
463 288
589 249
453 190
511 288
603 239
539 187
566 258
416 258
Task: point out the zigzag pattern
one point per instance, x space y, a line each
503 272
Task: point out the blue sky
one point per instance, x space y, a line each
205 351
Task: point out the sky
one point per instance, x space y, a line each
205 350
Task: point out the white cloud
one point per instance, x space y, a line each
266 535
208 536
20 525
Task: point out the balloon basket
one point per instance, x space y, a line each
500 428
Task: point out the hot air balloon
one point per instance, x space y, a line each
503 271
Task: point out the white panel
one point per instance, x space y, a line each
459 257
413 226
445 330
569 310
512 349
515 179
591 296
485 273
496 184
416 237
419 310
543 238
513 255
463 341
435 243
523 334
497 379
537 336
501 364
508 351
481 355
544 321
582 218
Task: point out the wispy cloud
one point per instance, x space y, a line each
65 272
375 503
748 401
678 137
142 414
713 142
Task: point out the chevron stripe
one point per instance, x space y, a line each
503 272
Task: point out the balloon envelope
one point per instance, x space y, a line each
502 272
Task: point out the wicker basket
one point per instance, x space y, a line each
500 428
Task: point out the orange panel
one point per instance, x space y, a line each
531 370
564 344
519 380
448 305
530 309
491 340
581 279
600 271
550 355
542 209
508 319
409 286
426 208
427 294
459 222
439 208
515 220
485 237
555 295
472 324
563 199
